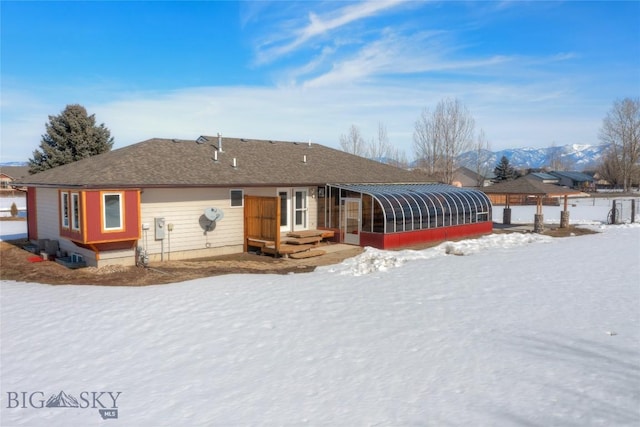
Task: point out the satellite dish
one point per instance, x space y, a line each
214 214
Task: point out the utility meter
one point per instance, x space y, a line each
160 228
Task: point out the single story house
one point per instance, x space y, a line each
545 178
465 177
178 199
576 180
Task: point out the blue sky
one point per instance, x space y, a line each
532 74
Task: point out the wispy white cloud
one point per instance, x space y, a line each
395 55
317 25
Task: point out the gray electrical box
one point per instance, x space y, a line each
160 228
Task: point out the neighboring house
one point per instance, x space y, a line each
576 180
180 199
465 177
10 174
545 178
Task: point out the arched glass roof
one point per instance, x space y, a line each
407 207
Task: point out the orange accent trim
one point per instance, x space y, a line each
95 242
96 251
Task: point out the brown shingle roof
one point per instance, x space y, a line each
166 162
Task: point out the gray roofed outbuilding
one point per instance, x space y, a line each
188 163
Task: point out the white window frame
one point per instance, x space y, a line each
241 205
65 209
286 211
120 211
75 208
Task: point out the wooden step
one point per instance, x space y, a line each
259 243
304 240
305 233
308 254
286 249
326 234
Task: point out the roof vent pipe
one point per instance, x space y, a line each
219 142
215 156
235 164
304 159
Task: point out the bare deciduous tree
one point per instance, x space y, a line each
621 129
398 158
353 142
440 137
609 168
483 156
426 143
379 148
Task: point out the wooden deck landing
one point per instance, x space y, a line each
300 243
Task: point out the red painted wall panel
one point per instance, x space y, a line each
93 219
408 238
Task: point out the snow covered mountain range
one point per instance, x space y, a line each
571 157
14 164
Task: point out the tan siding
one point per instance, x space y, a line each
122 257
313 207
184 210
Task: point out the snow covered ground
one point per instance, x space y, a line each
12 230
509 329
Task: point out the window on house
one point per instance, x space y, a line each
300 208
112 211
64 207
237 198
75 211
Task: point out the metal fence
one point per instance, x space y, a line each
623 211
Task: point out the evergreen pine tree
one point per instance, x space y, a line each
504 171
72 135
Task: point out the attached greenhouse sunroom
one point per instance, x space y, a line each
388 216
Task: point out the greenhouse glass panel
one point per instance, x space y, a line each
461 207
435 211
391 208
398 212
389 214
470 209
378 217
411 211
446 211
